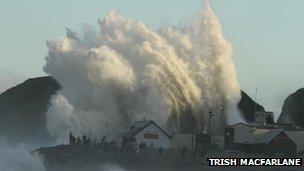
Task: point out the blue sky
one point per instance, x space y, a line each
267 35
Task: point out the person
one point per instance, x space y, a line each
140 148
84 139
160 151
78 141
202 153
88 141
145 149
183 152
104 138
145 145
72 139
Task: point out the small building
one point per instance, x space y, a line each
298 138
147 132
261 138
278 141
264 118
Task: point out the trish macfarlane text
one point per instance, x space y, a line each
255 161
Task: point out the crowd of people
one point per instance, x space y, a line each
84 140
142 149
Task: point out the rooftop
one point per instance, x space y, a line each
140 125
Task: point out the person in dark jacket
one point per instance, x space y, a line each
160 151
72 139
183 152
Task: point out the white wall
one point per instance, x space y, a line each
163 141
242 134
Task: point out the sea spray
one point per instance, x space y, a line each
18 158
127 72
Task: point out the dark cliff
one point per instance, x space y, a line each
247 105
22 110
293 109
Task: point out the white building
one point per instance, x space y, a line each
147 132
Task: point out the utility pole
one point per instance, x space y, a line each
209 124
255 100
211 114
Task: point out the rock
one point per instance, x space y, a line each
293 109
247 105
22 110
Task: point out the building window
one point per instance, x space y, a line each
151 136
282 139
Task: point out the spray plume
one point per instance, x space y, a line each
127 72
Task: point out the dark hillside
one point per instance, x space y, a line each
22 110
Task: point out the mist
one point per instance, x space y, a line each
18 157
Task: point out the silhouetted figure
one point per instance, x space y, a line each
145 149
72 139
202 154
160 151
103 140
183 152
145 145
86 140
78 141
141 148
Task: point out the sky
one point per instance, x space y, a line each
267 36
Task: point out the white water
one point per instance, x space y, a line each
128 72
